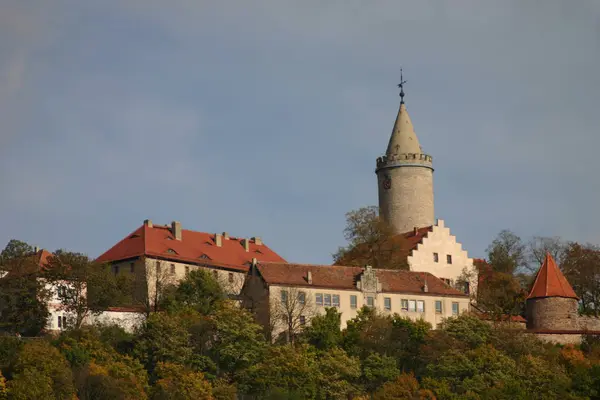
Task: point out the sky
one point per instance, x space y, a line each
265 118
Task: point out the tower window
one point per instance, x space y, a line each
172 268
449 258
436 257
132 268
230 277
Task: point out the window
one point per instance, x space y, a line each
438 306
370 301
115 269
467 287
420 306
216 274
158 267
284 296
449 258
302 320
230 277
172 268
454 308
187 269
336 300
62 322
327 300
59 321
131 268
436 257
353 301
387 302
404 305
319 299
412 306
302 298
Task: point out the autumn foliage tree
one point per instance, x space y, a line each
371 242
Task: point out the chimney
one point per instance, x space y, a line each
219 240
176 229
309 277
246 244
258 241
225 235
148 223
36 249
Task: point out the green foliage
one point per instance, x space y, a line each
338 374
3 388
22 296
377 370
405 387
468 329
285 371
324 331
41 372
175 382
199 291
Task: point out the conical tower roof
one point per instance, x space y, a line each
550 282
403 139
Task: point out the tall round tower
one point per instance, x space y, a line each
405 177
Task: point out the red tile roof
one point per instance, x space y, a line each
157 241
341 277
550 282
402 244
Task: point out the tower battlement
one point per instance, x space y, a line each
408 159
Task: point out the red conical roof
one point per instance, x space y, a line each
550 282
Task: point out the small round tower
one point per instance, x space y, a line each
552 303
405 177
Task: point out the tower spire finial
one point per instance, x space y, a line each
401 86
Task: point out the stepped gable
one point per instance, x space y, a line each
192 247
342 277
550 282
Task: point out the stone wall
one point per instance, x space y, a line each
553 313
558 338
408 202
589 323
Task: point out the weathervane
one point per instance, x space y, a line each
401 86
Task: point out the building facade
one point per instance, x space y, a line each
284 297
164 254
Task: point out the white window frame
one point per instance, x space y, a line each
455 305
441 308
421 306
387 303
326 299
284 296
302 298
319 299
353 301
335 300
404 304
412 306
370 301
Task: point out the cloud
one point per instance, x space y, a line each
265 118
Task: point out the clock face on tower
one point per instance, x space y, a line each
387 182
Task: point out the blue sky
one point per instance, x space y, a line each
265 118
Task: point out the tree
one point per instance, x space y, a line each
23 296
287 371
199 291
3 389
234 340
539 246
338 374
324 331
467 329
581 266
405 387
377 370
177 382
83 287
165 337
41 372
290 313
371 242
369 332
507 253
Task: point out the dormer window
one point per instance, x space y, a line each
135 235
171 251
204 257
